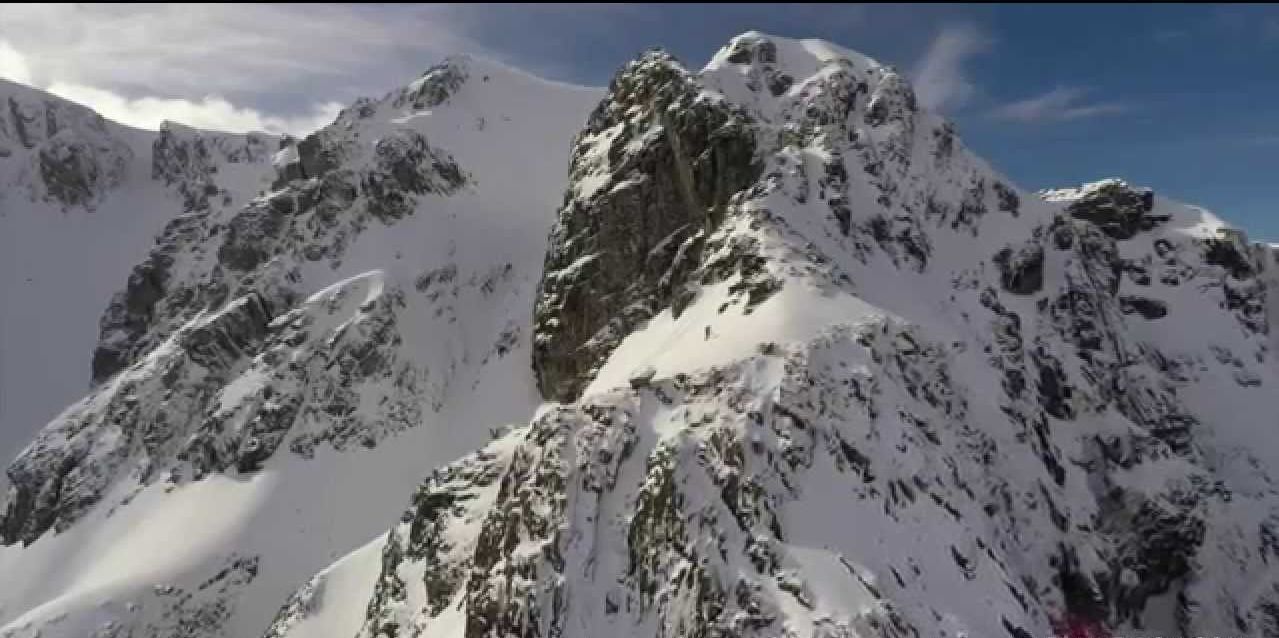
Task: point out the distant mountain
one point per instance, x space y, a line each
755 350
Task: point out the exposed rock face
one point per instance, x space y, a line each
1119 211
656 169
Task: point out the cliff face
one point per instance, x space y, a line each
812 369
652 177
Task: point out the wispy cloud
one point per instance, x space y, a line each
210 112
941 82
1061 104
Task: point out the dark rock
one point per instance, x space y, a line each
1007 198
779 83
752 48
1055 392
250 235
621 256
1148 308
1021 273
1227 253
435 87
217 344
1014 630
71 172
1120 211
187 160
316 158
405 165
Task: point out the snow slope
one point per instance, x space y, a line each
793 362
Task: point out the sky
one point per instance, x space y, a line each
1181 98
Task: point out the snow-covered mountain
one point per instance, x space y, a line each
81 200
793 362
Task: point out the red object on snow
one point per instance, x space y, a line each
1079 626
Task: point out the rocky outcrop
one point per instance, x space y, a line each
654 173
435 87
188 161
1022 272
1118 210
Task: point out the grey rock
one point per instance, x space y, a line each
1146 307
1022 272
1118 210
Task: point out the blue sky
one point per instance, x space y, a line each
1182 98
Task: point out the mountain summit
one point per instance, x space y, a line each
759 349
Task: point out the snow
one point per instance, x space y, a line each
796 314
348 579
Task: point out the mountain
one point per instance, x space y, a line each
755 350
81 200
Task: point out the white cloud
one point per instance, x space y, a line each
13 65
940 80
226 67
1060 104
193 50
210 112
